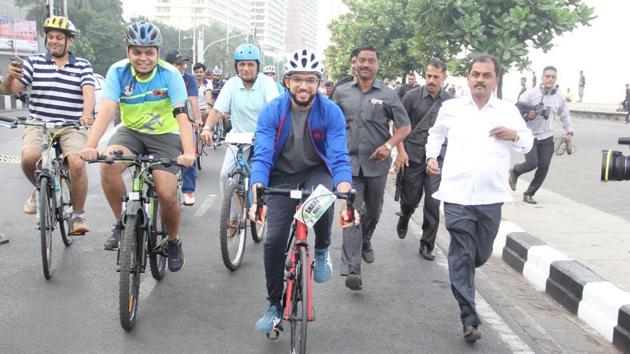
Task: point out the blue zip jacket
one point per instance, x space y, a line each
327 128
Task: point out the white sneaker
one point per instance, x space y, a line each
189 199
30 206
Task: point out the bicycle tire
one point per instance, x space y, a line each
64 211
199 149
233 245
45 219
299 311
157 260
129 281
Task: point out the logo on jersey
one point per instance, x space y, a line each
128 90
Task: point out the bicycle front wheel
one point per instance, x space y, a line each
232 230
199 147
64 211
299 305
129 282
157 235
46 217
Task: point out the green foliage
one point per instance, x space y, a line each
409 32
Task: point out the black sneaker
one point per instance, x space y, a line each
113 242
175 255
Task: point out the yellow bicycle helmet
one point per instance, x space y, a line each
60 23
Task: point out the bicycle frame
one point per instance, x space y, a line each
297 240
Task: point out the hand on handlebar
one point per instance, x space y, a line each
89 154
186 160
206 136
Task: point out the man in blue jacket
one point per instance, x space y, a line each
300 141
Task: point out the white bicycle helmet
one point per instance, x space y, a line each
269 69
304 60
217 71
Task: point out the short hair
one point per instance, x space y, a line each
486 58
438 64
368 48
550 67
328 84
354 53
198 66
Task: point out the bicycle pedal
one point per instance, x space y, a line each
77 234
275 333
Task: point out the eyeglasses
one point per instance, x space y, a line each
298 81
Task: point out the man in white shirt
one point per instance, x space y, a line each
480 130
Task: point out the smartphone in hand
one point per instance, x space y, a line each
17 61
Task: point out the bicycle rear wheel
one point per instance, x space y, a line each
129 282
232 230
64 211
299 306
157 260
46 217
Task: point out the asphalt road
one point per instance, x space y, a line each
406 305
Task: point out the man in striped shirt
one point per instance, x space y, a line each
62 89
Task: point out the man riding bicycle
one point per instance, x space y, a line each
152 97
243 96
300 141
62 89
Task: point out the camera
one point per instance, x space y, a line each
540 109
616 166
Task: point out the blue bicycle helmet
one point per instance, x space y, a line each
143 34
247 51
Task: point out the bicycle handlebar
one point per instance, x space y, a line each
299 194
149 159
24 120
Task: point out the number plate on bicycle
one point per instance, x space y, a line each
134 196
239 138
315 206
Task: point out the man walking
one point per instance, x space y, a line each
481 130
422 105
409 85
368 107
541 125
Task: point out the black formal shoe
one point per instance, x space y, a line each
354 282
513 179
529 199
426 253
402 226
471 334
368 253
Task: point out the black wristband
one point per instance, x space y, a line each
178 110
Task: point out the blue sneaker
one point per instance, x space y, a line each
270 319
323 266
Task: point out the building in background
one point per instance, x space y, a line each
269 18
301 29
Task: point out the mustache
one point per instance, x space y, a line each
480 84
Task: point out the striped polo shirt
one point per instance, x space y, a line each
56 92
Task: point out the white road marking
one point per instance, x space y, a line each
486 312
146 286
207 203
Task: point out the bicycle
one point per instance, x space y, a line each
54 203
297 297
562 145
218 133
236 202
143 234
199 146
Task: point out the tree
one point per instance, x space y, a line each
382 24
506 29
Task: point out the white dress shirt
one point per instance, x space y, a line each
476 165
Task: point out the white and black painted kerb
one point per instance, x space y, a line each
599 303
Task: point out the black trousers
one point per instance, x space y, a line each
538 158
473 229
415 182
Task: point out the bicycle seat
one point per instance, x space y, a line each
239 138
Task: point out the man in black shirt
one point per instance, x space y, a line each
409 85
422 105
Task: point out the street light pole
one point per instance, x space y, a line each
221 40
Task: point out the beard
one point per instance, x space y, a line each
302 103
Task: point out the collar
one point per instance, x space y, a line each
71 58
492 102
134 73
375 84
241 86
426 93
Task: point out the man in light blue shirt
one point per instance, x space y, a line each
243 97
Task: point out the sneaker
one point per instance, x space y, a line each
79 225
323 266
189 198
354 282
30 206
367 253
113 242
175 255
270 320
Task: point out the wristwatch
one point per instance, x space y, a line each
205 127
388 146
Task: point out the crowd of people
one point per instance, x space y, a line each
308 132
